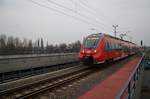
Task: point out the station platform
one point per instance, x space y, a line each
116 86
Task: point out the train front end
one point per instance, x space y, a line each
89 51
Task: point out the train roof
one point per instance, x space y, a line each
119 39
103 34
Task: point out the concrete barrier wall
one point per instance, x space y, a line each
19 62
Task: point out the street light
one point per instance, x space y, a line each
115 29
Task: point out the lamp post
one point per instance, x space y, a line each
115 29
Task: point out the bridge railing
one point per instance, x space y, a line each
128 90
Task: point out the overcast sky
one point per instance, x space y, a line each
71 20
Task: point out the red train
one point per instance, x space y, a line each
100 48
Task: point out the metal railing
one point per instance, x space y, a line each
128 89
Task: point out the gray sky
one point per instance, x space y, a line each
25 19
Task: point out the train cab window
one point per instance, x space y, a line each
91 42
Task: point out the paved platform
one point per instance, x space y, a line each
110 88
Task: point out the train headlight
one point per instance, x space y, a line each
95 51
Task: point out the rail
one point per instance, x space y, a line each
128 89
20 74
44 84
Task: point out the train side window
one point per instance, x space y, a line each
123 48
120 47
107 47
117 46
112 46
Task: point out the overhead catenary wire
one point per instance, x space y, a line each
66 14
91 11
85 7
76 12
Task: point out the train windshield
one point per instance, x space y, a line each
91 42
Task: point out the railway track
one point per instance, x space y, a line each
32 89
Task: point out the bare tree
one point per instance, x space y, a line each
11 45
3 41
63 47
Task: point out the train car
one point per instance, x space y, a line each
100 48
